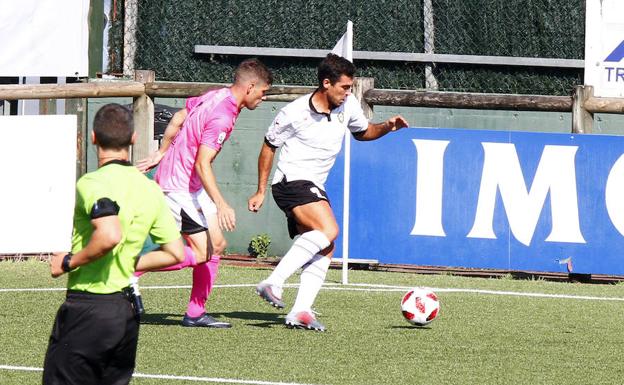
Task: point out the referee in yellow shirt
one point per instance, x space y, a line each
95 334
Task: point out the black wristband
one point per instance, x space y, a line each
65 263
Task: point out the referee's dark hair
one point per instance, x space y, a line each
113 127
333 67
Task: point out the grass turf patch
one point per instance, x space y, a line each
478 338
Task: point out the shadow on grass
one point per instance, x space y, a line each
161 319
410 327
264 319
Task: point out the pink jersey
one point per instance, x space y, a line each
209 121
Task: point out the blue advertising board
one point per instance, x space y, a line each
486 199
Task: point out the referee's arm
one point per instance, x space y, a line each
106 235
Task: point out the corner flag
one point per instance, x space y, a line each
344 46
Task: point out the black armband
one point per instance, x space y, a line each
65 264
104 207
358 134
266 141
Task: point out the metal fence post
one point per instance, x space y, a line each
129 36
431 83
582 120
143 110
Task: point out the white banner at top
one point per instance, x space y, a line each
604 47
44 38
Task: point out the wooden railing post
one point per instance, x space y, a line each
78 107
360 86
143 108
582 120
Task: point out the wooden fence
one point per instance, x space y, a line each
582 104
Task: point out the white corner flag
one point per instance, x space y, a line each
344 46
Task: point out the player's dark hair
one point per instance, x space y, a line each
333 67
253 68
113 127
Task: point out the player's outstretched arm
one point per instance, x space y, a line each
106 235
174 126
265 162
377 130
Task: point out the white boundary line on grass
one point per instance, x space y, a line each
365 287
170 377
372 287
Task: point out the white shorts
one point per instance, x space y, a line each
190 210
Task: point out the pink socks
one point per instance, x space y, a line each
204 277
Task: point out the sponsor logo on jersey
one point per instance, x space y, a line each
221 138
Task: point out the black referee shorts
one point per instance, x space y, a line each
289 195
93 341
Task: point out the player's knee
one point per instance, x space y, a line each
218 246
201 256
331 232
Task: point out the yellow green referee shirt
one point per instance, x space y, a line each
142 211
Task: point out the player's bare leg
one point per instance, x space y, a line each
201 244
317 216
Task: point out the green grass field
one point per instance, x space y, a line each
490 337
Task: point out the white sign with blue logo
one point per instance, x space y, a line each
604 47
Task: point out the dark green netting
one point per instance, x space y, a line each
167 32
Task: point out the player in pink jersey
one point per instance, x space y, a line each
191 142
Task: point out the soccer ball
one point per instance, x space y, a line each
420 306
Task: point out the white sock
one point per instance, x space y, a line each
302 250
312 278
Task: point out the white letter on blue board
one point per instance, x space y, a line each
429 180
614 191
556 173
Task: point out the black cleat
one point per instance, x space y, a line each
204 320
